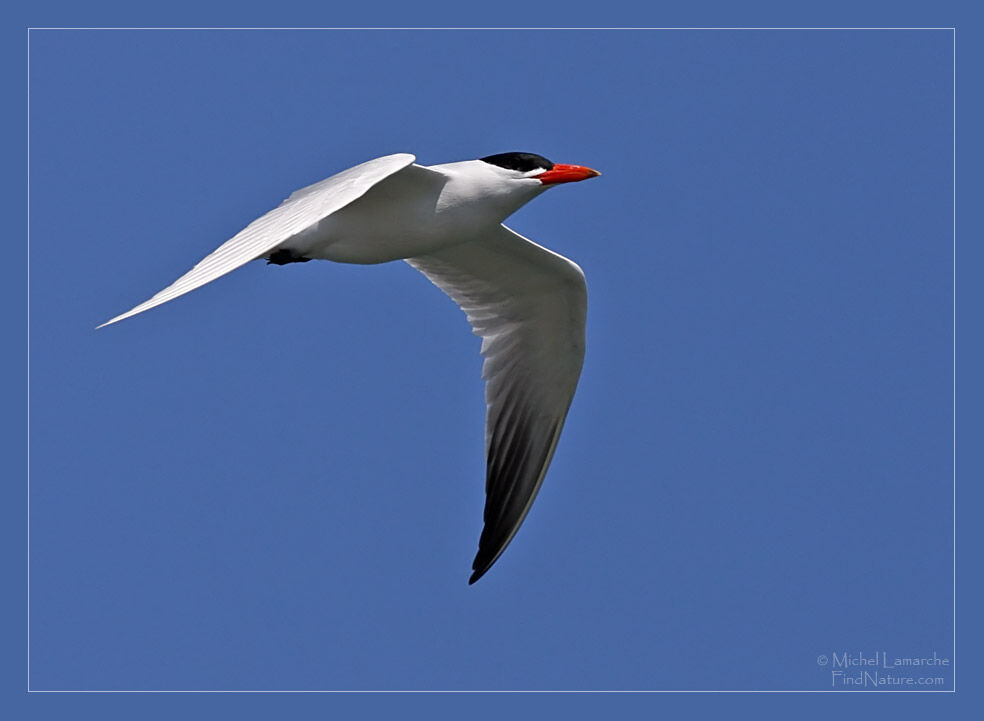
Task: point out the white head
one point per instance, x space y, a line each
505 182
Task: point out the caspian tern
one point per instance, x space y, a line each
527 303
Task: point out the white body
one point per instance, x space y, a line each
415 211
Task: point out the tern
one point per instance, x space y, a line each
525 302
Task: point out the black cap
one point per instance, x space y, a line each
523 162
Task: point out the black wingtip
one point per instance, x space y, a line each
480 569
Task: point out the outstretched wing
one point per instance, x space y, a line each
301 210
528 305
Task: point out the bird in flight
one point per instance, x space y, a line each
527 303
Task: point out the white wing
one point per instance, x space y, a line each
528 304
302 209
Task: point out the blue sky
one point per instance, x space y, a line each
276 482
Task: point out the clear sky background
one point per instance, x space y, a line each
276 482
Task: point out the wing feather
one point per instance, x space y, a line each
302 209
528 305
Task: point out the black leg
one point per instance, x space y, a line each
285 256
